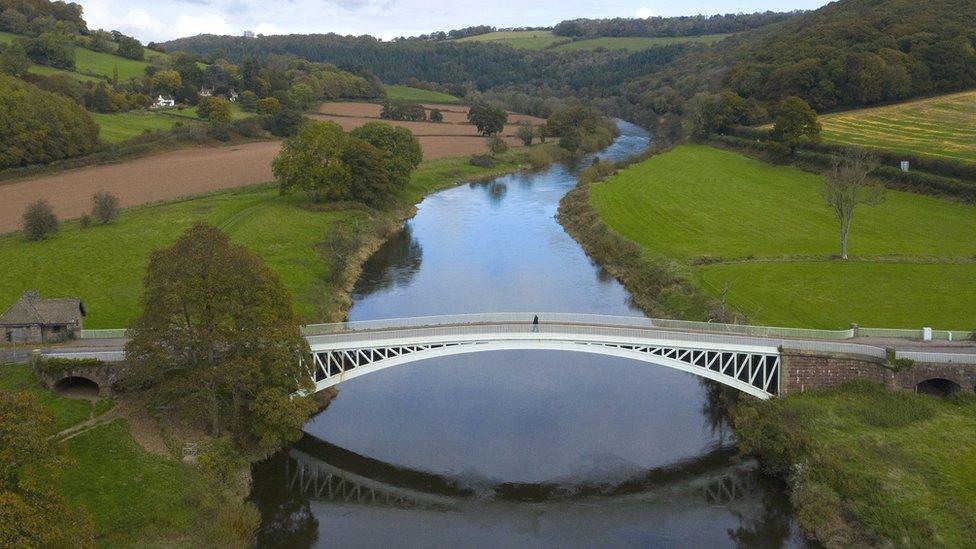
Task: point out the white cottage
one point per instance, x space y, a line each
164 102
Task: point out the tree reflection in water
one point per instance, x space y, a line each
496 189
394 264
286 517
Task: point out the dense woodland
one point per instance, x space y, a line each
848 54
695 25
46 117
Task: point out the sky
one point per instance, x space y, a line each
159 20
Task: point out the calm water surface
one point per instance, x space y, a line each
516 447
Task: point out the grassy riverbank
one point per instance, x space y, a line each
720 219
132 496
311 248
870 467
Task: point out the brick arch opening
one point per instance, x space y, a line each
77 387
938 387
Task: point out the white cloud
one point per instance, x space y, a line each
140 22
644 13
266 29
204 23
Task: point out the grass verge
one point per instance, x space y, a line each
870 467
132 495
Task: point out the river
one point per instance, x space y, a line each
525 448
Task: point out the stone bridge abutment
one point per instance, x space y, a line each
809 370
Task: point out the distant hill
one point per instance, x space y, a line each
850 53
663 27
546 40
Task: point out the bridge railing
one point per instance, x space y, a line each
596 320
937 358
104 334
581 332
574 318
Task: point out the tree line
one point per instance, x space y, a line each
846 54
695 25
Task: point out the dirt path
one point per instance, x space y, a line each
159 177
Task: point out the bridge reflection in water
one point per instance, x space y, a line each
323 471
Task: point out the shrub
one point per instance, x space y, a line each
598 171
219 131
60 366
526 133
497 145
482 161
39 220
85 221
248 127
436 115
539 157
268 106
105 207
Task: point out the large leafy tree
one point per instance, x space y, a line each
311 161
368 165
399 148
219 342
796 122
488 118
31 512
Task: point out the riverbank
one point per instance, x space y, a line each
127 468
865 467
659 286
869 467
315 250
704 227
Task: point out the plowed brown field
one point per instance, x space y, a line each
159 177
177 174
453 114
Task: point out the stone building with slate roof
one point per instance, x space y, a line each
36 320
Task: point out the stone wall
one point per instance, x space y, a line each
804 371
104 374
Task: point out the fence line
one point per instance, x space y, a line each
937 358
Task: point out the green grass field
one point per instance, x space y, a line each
546 40
525 40
766 232
104 265
191 112
406 93
942 126
132 495
91 64
118 127
902 465
637 43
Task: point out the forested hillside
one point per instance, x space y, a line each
849 53
695 25
59 75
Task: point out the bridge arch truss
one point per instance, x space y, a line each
753 369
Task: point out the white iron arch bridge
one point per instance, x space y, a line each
342 352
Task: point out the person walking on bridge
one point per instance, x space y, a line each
535 323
